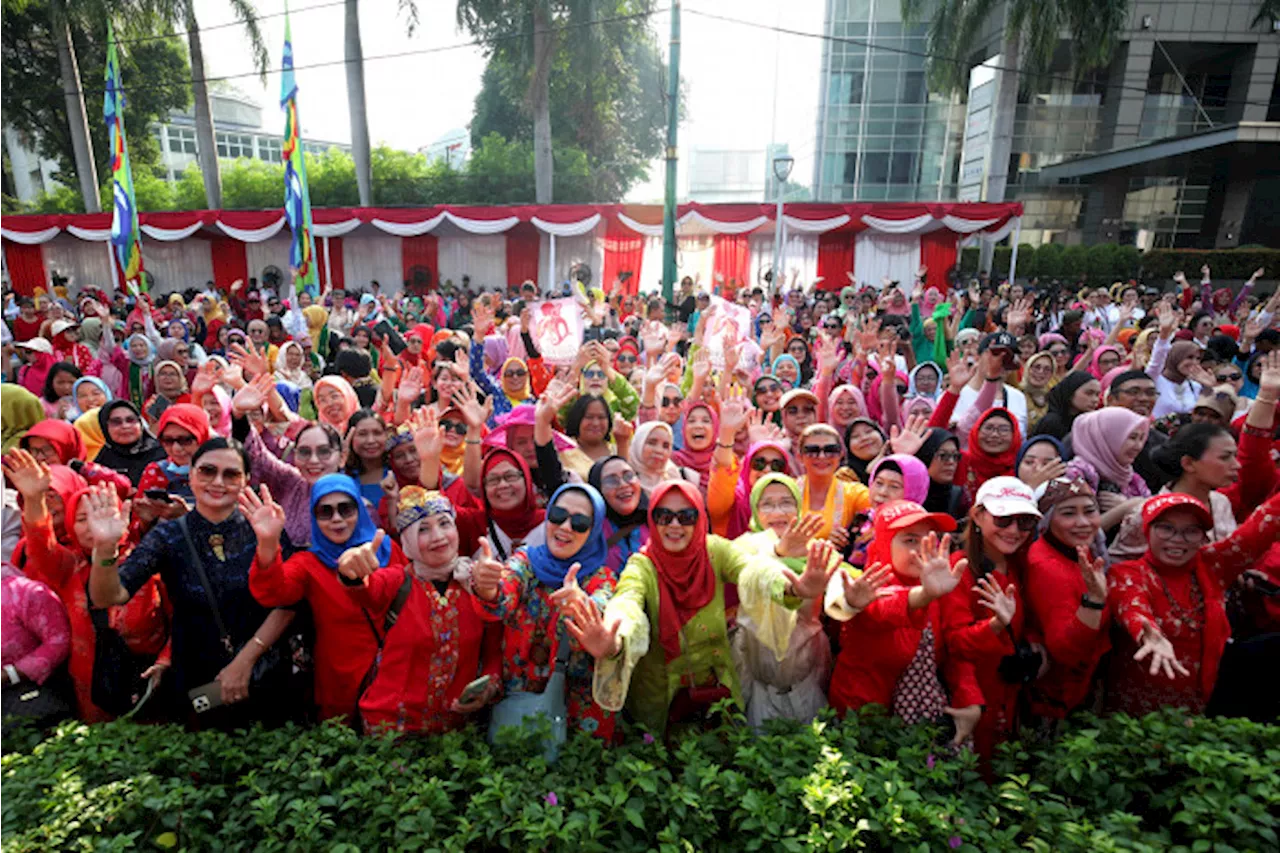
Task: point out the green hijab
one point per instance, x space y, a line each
20 410
758 489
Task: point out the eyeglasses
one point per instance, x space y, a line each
455 427
626 358
686 517
128 420
1140 392
179 440
795 410
777 506
558 515
672 401
771 388
1231 376
320 454
996 429
593 373
1058 351
1167 532
1026 523
947 456
210 473
613 481
346 510
515 373
760 463
510 478
819 450
831 327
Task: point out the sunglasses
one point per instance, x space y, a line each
179 440
455 427
613 481
818 450
778 466
593 374
346 510
1026 523
685 517
123 422
209 473
626 358
947 456
558 515
515 373
771 388
1229 377
320 454
671 401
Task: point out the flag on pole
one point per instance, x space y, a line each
297 198
126 239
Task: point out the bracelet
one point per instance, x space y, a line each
255 639
472 440
1089 604
109 561
725 446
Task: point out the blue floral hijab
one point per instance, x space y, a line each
328 552
593 554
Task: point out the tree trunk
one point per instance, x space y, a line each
77 118
1002 131
206 145
353 52
540 101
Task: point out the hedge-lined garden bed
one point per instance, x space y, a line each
1167 782
1105 263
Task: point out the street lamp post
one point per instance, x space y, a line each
781 170
669 198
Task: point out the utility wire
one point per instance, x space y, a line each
256 18
925 54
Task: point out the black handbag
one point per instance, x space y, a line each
41 705
388 622
117 672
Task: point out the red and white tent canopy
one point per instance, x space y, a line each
502 245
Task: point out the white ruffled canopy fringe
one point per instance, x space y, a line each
336 229
1014 223
408 229
31 238
483 226
693 217
898 226
171 235
894 255
640 228
252 235
567 229
96 235
814 226
966 226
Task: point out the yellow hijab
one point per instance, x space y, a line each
524 393
91 431
317 316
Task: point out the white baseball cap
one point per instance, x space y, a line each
1004 496
61 326
39 345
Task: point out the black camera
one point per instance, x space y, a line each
1022 666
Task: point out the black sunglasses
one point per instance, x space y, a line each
515 373
771 388
671 401
686 517
455 427
180 440
821 450
558 515
1026 523
346 510
1229 377
778 466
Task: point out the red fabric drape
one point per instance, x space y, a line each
420 251
622 253
731 262
523 246
229 262
835 259
26 268
335 263
938 253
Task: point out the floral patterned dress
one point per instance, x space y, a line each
530 641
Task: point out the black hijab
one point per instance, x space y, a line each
131 459
638 518
859 466
939 497
1058 416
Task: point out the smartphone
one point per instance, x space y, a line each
157 495
206 697
1008 357
475 690
394 340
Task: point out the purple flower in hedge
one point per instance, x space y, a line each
954 842
552 799
648 738
928 762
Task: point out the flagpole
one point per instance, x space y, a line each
297 197
126 236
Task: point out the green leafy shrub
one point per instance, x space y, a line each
1165 782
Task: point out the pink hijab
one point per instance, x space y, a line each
1094 369
915 476
1096 438
856 393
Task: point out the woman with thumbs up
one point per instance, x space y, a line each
532 591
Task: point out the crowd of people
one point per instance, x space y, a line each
985 506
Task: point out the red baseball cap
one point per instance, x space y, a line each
898 515
1160 504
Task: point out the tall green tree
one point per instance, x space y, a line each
181 14
154 70
1031 32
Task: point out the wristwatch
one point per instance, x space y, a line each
1089 604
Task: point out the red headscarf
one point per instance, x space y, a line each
64 437
424 333
686 581
518 521
186 416
977 466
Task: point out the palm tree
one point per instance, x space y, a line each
182 13
77 117
1032 32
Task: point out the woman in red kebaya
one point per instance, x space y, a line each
893 649
983 622
1169 603
1065 593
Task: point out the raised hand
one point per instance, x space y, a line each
794 541
462 358
486 572
108 520
481 317
702 365
734 413
867 587
623 429
937 576
1001 602
654 338
1167 319
468 402
1049 471
586 625
569 593
250 360
1164 659
818 569
1094 572
839 536
264 515
251 397
760 428
411 383
909 439
425 426
29 477
959 371
1269 381
1019 315
824 354
206 377
361 561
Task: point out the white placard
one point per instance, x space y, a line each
727 316
557 329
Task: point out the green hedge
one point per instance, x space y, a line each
1107 262
1167 782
